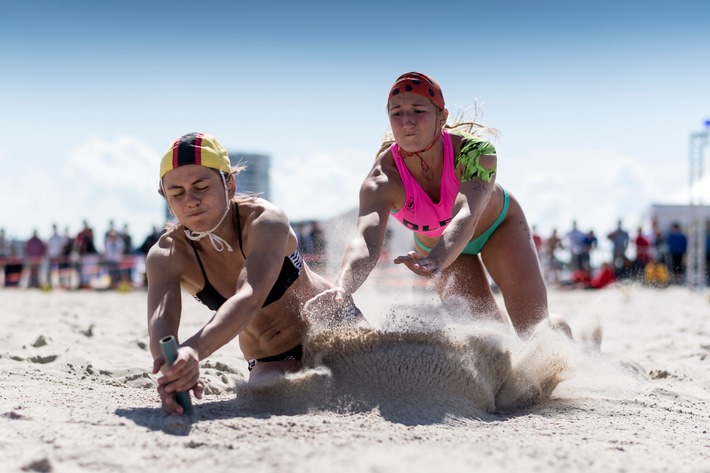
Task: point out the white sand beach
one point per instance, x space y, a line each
422 392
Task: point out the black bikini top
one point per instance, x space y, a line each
290 270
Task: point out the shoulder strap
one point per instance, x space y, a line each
239 229
199 261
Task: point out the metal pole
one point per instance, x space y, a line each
695 270
701 220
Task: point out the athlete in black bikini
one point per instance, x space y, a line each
289 273
258 292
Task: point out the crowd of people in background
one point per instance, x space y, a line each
75 261
79 261
655 257
312 244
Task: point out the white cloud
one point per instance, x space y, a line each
116 180
700 193
596 188
125 163
98 180
319 186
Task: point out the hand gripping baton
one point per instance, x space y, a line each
169 347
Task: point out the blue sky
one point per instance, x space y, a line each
594 102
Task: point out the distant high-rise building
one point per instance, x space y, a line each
254 179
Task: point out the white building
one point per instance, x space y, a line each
255 178
665 215
694 220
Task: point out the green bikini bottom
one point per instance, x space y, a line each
476 245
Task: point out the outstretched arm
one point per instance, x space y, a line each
164 297
268 233
164 309
363 251
268 240
471 201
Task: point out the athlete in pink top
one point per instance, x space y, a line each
428 218
419 212
442 186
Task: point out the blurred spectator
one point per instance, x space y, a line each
127 250
537 241
84 241
574 239
580 279
318 262
677 247
4 253
643 247
10 263
627 269
589 243
127 239
111 228
56 253
318 239
5 248
85 256
620 242
305 240
35 250
707 253
56 245
68 274
145 247
604 277
660 247
551 263
114 248
150 240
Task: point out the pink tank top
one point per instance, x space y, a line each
419 213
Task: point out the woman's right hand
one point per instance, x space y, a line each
183 375
421 265
327 305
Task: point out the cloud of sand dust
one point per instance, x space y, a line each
417 368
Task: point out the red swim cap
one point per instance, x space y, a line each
418 83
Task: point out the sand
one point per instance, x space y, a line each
423 390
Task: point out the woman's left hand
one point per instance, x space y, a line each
422 266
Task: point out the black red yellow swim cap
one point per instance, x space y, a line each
195 148
418 83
